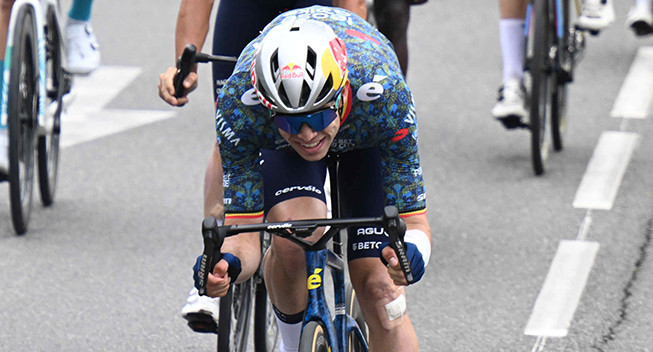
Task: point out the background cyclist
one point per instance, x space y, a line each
315 95
510 107
82 51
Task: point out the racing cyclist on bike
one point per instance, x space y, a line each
324 80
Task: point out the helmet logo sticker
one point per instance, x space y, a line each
291 71
334 62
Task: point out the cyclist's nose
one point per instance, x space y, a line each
306 132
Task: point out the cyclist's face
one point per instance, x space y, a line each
312 145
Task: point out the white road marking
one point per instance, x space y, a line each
599 186
635 96
86 119
557 301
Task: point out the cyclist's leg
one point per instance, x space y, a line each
293 190
392 18
362 196
510 107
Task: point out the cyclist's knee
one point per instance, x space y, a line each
285 256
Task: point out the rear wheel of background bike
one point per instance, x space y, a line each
22 107
558 112
314 338
562 77
354 310
539 69
235 309
266 332
48 142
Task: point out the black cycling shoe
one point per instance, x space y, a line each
512 122
201 322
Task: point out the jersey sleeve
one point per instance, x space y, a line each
403 183
236 126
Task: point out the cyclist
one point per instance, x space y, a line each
510 107
324 79
640 17
392 19
83 54
192 27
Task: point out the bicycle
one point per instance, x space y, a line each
320 332
553 49
32 95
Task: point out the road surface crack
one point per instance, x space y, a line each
627 292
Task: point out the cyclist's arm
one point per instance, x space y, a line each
358 7
192 27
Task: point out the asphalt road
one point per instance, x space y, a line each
108 267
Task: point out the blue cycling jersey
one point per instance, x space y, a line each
380 114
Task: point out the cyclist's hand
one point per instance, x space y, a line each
167 87
224 273
394 269
218 282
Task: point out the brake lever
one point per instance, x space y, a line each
395 227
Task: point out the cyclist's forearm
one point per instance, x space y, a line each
192 24
419 222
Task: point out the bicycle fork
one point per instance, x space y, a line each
338 329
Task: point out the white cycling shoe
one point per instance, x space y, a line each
596 15
201 312
83 51
640 20
510 108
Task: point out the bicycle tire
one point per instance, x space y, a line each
266 331
561 80
235 310
540 68
48 143
22 107
314 338
354 310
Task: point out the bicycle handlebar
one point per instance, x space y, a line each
214 236
185 63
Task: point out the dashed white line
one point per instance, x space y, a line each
635 96
599 186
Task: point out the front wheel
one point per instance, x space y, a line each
314 338
539 67
233 322
22 107
48 142
354 310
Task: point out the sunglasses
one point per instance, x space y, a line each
317 121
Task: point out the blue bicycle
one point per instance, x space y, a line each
320 331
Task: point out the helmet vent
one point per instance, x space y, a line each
311 63
326 89
306 93
274 65
283 95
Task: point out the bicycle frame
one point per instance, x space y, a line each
40 8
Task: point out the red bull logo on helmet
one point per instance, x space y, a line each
292 71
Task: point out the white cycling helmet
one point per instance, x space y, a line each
299 67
